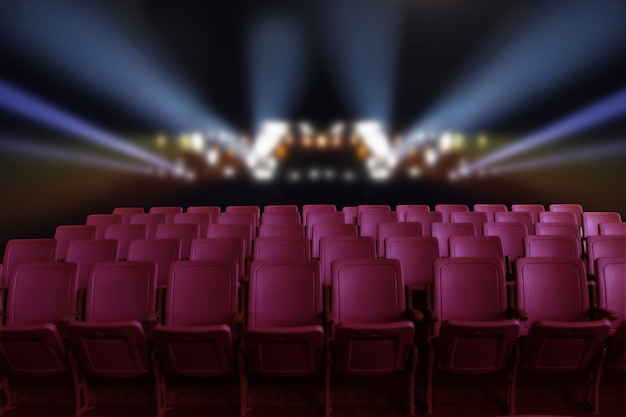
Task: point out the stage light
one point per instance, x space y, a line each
229 171
610 108
294 176
431 156
314 174
213 156
196 141
23 104
446 142
349 176
414 172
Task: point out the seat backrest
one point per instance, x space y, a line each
201 293
443 231
232 231
552 246
280 208
476 246
592 220
322 217
403 209
522 217
151 220
85 253
215 248
425 218
281 248
240 218
490 209
101 220
599 246
575 209
41 292
254 211
127 212
532 209
328 229
511 235
185 232
368 222
416 256
284 292
120 291
26 250
386 230
469 289
343 247
123 234
557 217
363 208
281 230
560 228
160 251
64 233
375 283
552 289
349 214
612 228
278 217
312 208
611 288
169 212
475 218
202 220
446 209
212 211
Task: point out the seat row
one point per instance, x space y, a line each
283 324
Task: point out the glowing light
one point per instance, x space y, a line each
337 128
294 176
430 156
229 171
314 174
23 104
161 141
321 141
483 140
349 176
265 144
213 156
414 172
446 141
196 141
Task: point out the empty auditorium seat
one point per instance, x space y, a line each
212 211
476 246
558 217
532 209
254 211
612 228
101 220
150 220
64 233
329 229
215 248
281 230
323 217
185 232
446 209
236 231
603 247
403 209
371 333
470 316
475 218
512 238
552 298
111 342
127 212
333 248
201 323
368 222
522 217
349 214
592 220
552 246
26 250
490 209
278 217
443 231
283 335
85 253
123 234
162 252
310 208
247 219
281 248
169 212
280 208
386 230
201 220
575 209
425 218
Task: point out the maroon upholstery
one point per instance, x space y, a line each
368 222
612 228
557 217
532 209
475 218
185 232
476 246
232 231
443 231
490 210
101 220
343 247
241 218
604 247
322 217
552 246
123 234
64 233
522 217
446 209
281 230
312 208
212 211
84 253
592 220
281 248
201 220
328 230
215 248
575 209
386 230
425 218
162 252
25 250
127 212
150 220
280 218
512 237
403 209
254 211
169 212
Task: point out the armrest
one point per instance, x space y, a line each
518 313
69 317
415 315
598 313
152 319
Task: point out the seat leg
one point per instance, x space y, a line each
162 405
6 399
412 372
511 389
592 393
243 387
327 370
81 397
429 381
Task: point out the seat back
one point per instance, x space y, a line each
475 218
162 252
323 229
511 236
557 228
242 218
64 233
403 209
127 212
612 228
289 217
101 220
201 220
386 230
84 253
26 250
426 219
557 217
443 231
281 248
215 248
39 294
553 289
469 289
280 209
476 246
575 209
369 221
416 256
532 209
343 247
611 288
123 234
446 209
232 231
521 217
313 208
185 232
281 230
552 246
255 211
212 211
378 339
169 212
592 220
490 210
599 246
323 217
350 214
150 220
